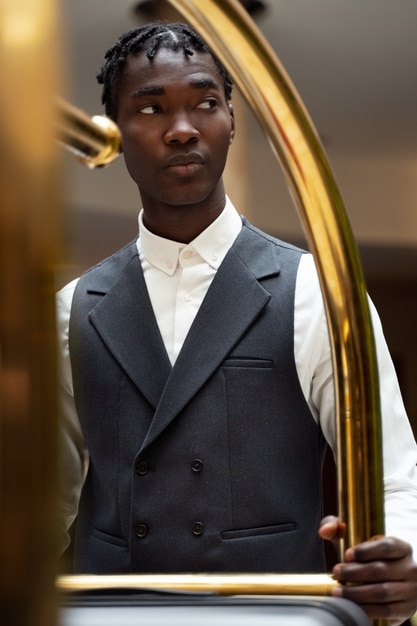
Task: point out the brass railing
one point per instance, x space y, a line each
95 141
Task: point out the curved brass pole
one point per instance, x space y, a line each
268 90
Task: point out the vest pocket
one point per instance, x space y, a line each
251 363
116 541
259 531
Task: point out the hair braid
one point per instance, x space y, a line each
148 39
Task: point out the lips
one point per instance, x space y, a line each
185 159
185 164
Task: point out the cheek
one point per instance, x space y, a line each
139 169
223 135
222 145
137 152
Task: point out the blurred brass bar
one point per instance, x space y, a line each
28 245
95 141
222 584
264 83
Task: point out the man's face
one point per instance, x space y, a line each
176 127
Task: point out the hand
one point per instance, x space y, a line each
380 575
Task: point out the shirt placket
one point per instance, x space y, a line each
191 289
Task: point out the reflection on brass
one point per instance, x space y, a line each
28 238
152 10
95 141
222 584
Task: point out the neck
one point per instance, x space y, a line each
182 223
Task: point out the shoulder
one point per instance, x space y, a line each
265 237
114 262
102 275
99 276
64 301
266 255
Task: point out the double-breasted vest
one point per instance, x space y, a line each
213 464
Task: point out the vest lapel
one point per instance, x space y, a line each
233 302
126 323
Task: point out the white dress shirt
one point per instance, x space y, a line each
178 277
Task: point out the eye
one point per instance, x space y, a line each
149 109
209 103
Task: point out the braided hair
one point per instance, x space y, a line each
148 39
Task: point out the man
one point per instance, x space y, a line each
201 387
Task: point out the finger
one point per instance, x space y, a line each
379 548
329 519
373 572
331 529
392 601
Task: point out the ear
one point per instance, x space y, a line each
232 122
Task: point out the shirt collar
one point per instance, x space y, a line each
211 245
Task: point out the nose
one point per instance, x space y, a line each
181 130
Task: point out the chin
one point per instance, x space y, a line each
186 198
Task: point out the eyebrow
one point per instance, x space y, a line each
150 90
155 90
204 83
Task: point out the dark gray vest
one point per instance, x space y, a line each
214 464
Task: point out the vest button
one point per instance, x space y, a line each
198 528
142 468
141 531
197 465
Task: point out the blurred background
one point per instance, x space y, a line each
354 66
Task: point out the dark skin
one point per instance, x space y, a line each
386 570
176 128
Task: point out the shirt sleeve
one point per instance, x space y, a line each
314 366
73 457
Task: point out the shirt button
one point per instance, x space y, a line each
214 257
142 468
188 254
188 297
197 465
198 528
170 264
141 531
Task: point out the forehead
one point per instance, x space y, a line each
168 68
